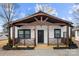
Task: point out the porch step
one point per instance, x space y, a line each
22 46
41 46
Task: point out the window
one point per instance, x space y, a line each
77 33
57 33
27 34
24 33
21 34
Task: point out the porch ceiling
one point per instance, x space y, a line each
38 16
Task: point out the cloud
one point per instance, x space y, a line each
64 18
29 9
1 28
70 12
22 14
70 18
75 9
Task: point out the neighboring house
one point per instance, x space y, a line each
76 30
41 28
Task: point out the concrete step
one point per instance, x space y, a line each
42 46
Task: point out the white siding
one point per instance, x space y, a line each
11 32
32 33
76 36
16 32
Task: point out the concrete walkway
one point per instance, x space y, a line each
40 52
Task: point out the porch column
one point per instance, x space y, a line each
70 32
67 35
48 34
35 36
13 34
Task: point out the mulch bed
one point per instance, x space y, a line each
71 46
6 47
21 48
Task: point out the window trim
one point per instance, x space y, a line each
55 35
24 33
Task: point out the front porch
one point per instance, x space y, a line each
55 31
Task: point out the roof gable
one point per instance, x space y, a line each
40 13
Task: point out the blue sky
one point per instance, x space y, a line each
62 10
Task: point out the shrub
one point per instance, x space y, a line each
7 47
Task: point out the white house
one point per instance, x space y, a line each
41 28
76 31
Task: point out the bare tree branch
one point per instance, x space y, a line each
7 15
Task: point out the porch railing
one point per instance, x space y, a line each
25 42
60 41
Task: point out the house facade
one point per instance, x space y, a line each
41 28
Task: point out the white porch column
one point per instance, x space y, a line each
13 33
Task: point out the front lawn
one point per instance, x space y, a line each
3 42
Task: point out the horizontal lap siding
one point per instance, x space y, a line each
27 42
54 41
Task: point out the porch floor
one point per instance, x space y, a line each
42 46
48 46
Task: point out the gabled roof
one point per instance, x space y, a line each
45 14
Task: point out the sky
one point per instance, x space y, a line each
62 10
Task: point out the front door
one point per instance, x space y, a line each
40 36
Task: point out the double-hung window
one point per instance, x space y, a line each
24 33
57 33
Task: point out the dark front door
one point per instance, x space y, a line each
40 36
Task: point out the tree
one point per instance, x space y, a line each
8 13
45 8
75 13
